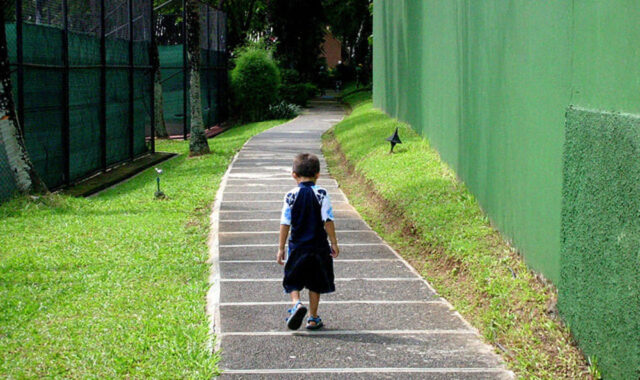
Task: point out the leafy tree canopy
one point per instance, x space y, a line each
350 22
296 27
299 28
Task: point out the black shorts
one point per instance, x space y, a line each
311 269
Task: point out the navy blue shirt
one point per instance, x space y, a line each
306 208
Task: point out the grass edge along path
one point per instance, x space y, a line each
114 286
415 202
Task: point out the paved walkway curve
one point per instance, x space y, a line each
384 321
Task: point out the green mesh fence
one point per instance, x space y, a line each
43 105
75 121
7 182
171 69
7 185
82 113
213 69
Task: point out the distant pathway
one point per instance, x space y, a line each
384 321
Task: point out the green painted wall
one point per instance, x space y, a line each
463 73
489 83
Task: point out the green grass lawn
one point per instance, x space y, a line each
114 285
417 204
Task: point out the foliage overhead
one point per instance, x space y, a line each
168 8
246 20
350 22
299 28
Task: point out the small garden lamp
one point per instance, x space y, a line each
159 193
394 139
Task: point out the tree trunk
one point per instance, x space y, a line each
198 143
27 180
39 5
161 126
247 21
158 102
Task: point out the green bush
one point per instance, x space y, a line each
298 93
254 83
283 110
289 76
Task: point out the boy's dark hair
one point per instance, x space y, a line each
306 165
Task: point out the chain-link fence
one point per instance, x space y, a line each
170 35
82 82
7 183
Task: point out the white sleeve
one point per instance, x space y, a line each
285 217
326 209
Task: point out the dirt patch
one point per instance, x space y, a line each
542 349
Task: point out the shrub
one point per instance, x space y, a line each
283 110
298 93
254 82
289 76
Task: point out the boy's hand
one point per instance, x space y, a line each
282 240
280 256
330 227
335 250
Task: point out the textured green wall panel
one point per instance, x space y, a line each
600 283
489 83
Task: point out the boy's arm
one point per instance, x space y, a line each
330 227
284 232
327 217
285 225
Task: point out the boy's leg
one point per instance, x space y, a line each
295 296
314 300
314 321
297 312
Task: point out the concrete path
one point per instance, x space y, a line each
383 321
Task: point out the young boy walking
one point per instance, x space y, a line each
308 214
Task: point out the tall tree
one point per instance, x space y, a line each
245 19
158 99
198 143
350 22
26 177
163 8
299 28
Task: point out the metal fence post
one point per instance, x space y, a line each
219 80
66 153
222 68
131 82
20 59
155 66
185 70
225 65
103 87
208 66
